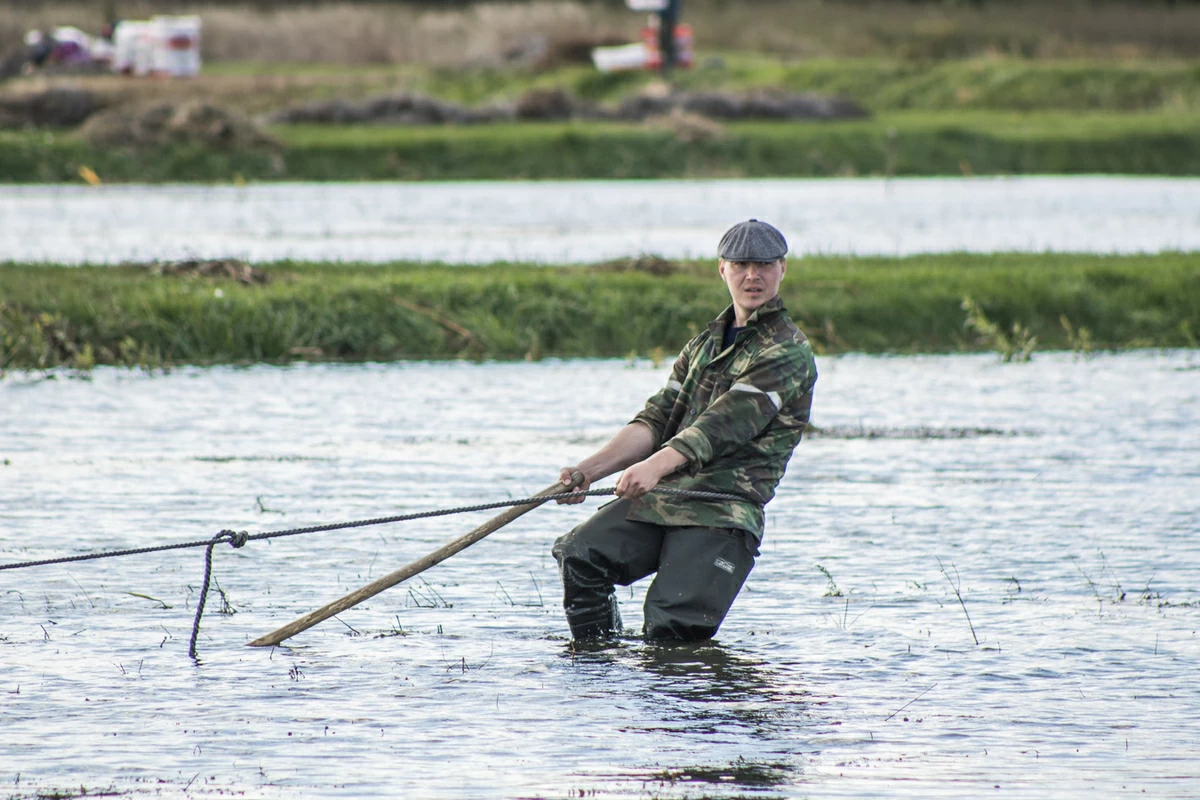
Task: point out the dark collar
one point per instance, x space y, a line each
768 310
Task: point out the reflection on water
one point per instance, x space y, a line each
1062 497
705 691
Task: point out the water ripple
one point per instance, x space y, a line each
1059 499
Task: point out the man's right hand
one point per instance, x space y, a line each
632 443
567 476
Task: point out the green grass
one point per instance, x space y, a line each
902 143
78 316
978 116
1000 84
993 84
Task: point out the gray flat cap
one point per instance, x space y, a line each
752 241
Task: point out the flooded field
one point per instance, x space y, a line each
589 221
1060 499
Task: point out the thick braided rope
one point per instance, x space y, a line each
242 537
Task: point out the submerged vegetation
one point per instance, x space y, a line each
78 317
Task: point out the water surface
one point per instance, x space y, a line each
589 221
1061 498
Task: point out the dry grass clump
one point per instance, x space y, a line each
221 268
687 126
192 121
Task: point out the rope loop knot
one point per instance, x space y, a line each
235 538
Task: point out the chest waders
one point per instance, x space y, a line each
699 574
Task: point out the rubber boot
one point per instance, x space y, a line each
594 621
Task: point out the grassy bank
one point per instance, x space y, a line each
1005 84
999 84
901 143
63 316
979 116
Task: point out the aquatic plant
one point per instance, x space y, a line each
1016 345
1080 338
45 340
832 589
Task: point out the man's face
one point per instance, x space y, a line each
752 283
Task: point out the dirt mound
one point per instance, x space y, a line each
52 108
398 109
558 104
754 105
417 109
546 105
193 121
687 126
231 268
649 264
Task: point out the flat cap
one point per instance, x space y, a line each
752 241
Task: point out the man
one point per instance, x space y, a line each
668 18
727 421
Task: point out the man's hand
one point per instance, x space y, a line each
643 476
638 480
631 444
566 476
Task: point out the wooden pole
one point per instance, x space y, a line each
404 573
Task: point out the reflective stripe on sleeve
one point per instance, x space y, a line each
774 397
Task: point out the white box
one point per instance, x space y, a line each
176 46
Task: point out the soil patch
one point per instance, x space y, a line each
230 268
548 104
730 106
50 108
651 265
397 109
557 104
192 121
687 126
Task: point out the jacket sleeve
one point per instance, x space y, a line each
657 412
756 396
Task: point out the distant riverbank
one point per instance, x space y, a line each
894 143
986 116
236 313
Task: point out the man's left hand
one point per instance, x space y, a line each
638 480
643 476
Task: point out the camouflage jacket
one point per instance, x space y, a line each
736 414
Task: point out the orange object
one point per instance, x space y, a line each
89 175
683 47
